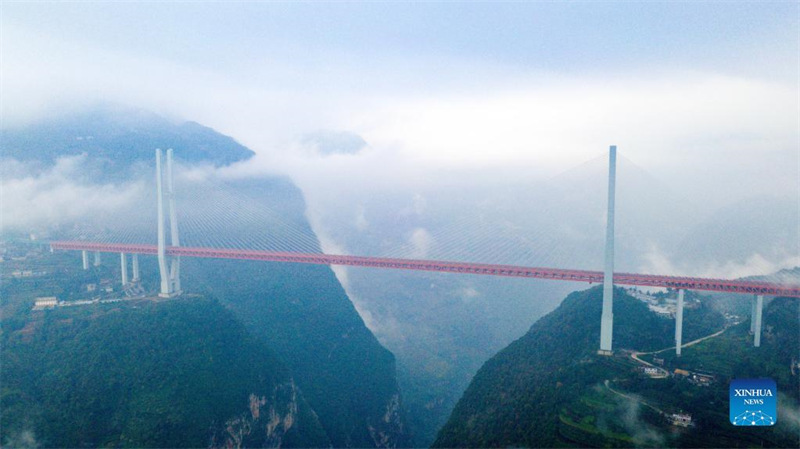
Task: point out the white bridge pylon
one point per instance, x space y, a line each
607 317
168 266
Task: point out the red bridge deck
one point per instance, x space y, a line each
691 283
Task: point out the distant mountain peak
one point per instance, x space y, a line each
122 135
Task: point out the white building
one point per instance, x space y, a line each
45 302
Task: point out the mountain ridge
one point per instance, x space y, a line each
300 314
550 389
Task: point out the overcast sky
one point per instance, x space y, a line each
704 94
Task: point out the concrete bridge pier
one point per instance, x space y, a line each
135 263
755 320
97 258
607 317
85 257
124 268
679 324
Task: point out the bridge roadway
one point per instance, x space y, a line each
691 283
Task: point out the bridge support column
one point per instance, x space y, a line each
97 258
679 324
607 317
135 263
168 267
759 305
175 265
753 315
85 257
124 268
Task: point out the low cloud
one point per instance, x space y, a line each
714 136
361 221
333 142
468 294
788 412
420 242
659 262
24 439
643 433
59 195
704 131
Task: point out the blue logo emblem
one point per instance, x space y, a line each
753 402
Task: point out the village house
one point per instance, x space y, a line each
45 302
680 419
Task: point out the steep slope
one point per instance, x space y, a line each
300 313
549 388
518 384
184 373
732 355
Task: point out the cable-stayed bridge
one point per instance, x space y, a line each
227 221
646 280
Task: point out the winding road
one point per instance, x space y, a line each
635 355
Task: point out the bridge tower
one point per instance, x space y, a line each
168 266
679 323
124 268
607 318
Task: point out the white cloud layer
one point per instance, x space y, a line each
657 262
688 124
451 121
39 200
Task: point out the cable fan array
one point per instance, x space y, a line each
560 223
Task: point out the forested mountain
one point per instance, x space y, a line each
118 137
549 388
302 312
300 328
182 373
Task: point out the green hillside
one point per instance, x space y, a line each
303 313
182 373
299 314
550 389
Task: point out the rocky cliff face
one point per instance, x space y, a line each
304 315
345 375
388 431
268 421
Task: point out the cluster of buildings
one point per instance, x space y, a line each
14 258
654 372
19 274
665 307
699 379
51 302
45 302
659 372
680 419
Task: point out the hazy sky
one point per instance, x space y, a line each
694 91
